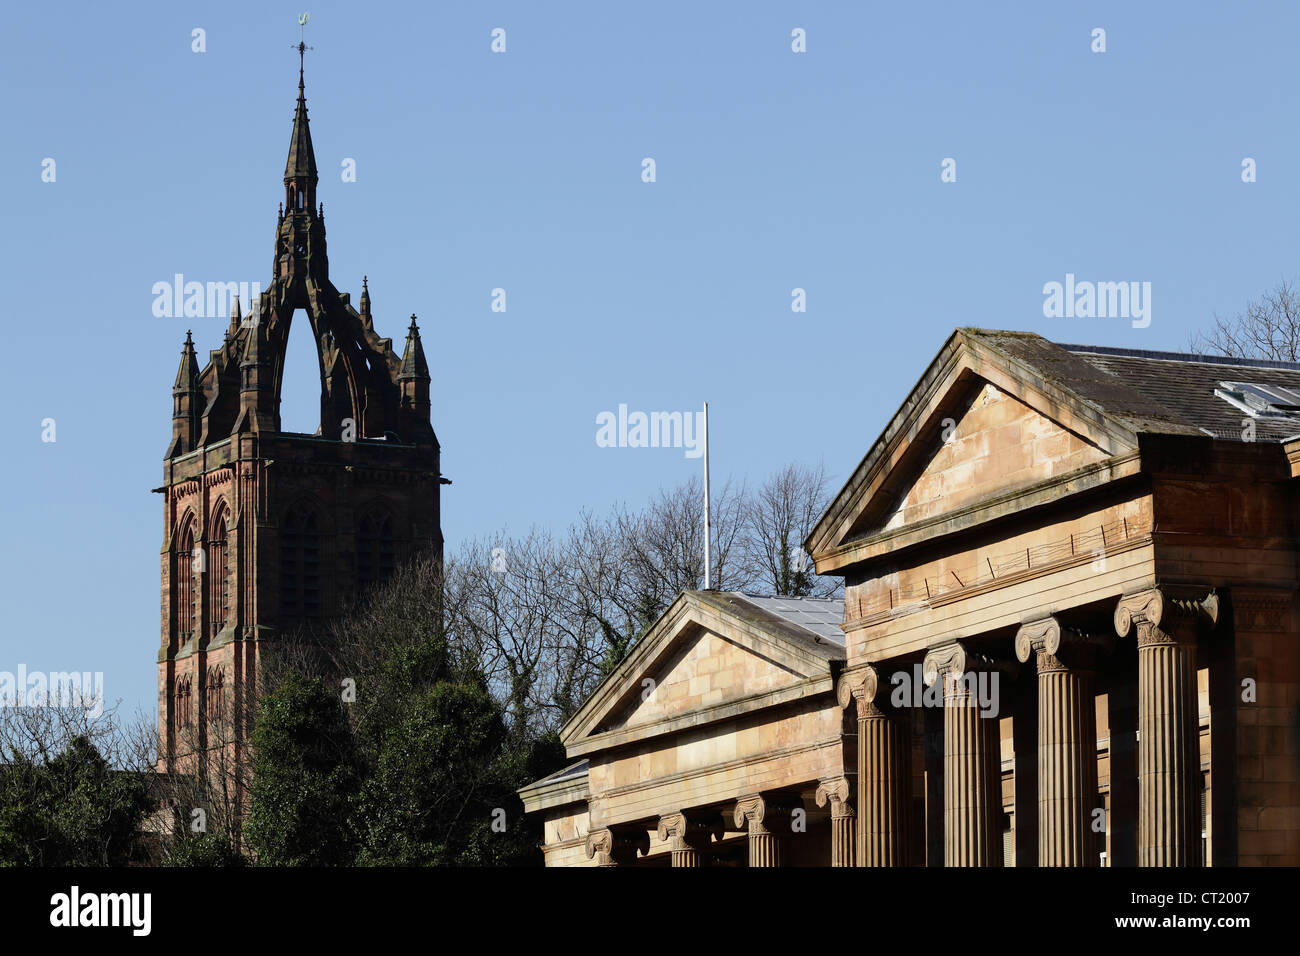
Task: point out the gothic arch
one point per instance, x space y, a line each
184 560
217 572
304 575
377 543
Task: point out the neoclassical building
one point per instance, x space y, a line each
1068 637
264 530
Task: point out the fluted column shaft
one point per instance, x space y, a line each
1169 765
972 770
1168 623
1067 764
1067 738
884 770
972 781
884 758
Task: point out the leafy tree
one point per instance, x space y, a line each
305 773
71 809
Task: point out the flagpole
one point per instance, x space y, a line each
708 540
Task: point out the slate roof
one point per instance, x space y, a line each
1155 392
814 622
572 772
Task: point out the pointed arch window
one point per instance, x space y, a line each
186 558
218 571
216 693
375 549
300 556
183 713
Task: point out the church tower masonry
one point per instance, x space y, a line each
268 531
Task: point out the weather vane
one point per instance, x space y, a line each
302 44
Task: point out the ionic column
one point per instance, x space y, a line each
690 836
1169 764
768 820
884 770
838 793
1067 739
616 846
972 766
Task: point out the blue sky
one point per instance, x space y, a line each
522 171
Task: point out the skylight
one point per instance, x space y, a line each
1261 401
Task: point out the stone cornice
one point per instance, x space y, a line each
833 747
892 541
546 795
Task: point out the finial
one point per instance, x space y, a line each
414 327
363 282
190 341
302 47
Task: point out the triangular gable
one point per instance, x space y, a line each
978 395
709 655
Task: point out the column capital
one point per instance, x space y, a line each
954 658
616 846
1048 639
759 809
690 828
861 686
838 792
1158 611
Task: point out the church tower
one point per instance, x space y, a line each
266 531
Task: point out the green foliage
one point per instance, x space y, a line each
305 773
430 798
204 849
420 770
70 810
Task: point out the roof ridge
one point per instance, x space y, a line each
1182 357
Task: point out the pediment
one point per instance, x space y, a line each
710 656
979 427
989 444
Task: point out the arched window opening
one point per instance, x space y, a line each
218 573
300 593
216 693
183 715
186 558
375 552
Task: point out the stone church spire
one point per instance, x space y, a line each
300 237
300 169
